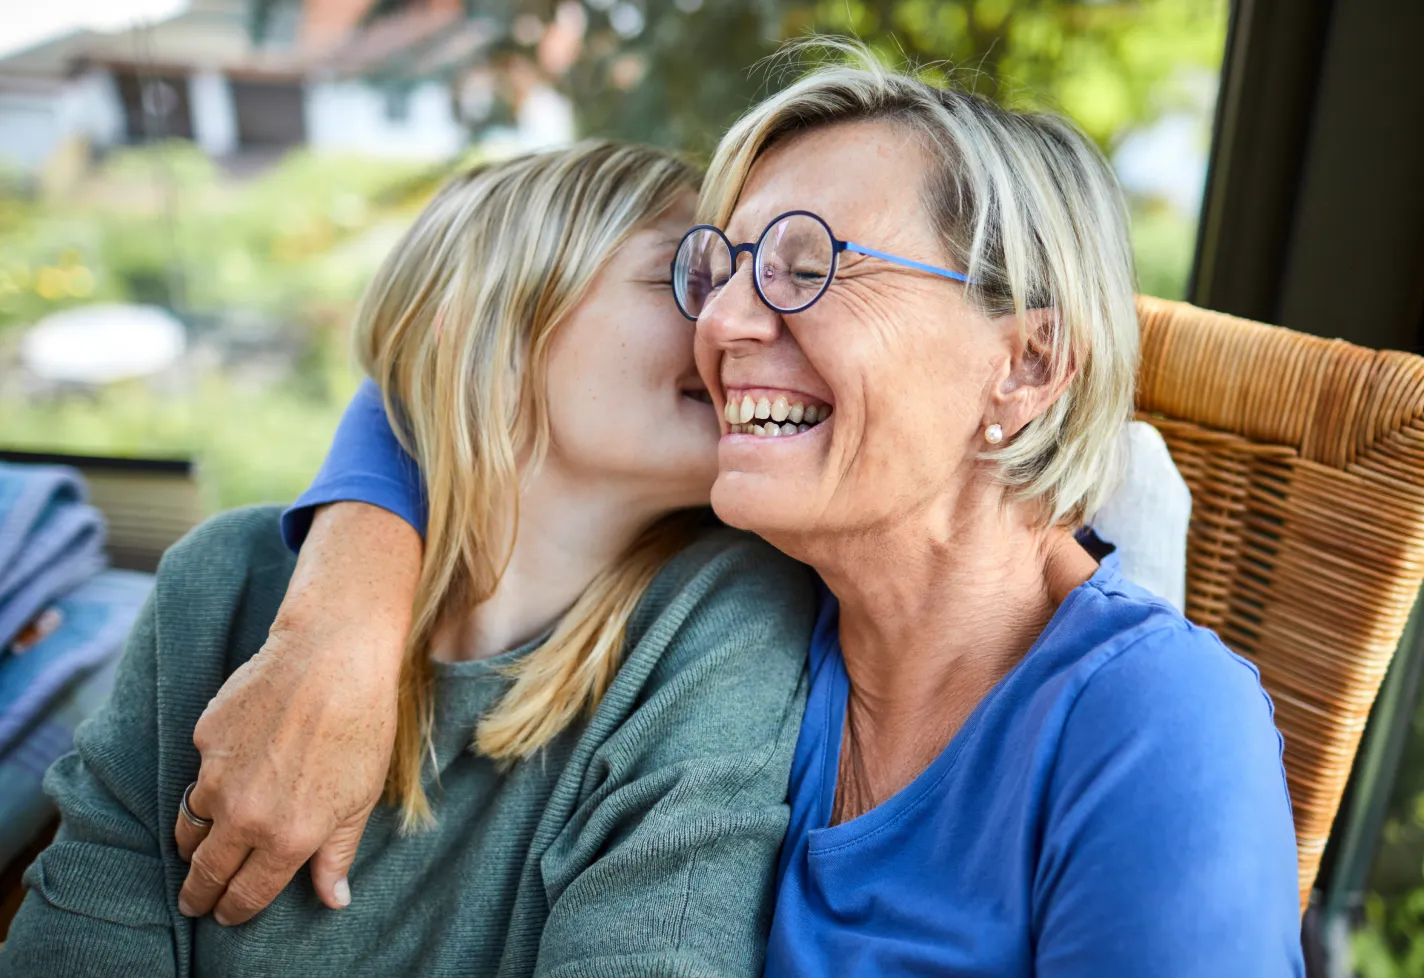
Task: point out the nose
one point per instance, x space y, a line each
736 318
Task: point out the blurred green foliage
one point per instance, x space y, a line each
288 251
1111 65
1390 941
279 259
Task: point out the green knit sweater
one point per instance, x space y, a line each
642 842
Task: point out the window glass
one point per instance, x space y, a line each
189 212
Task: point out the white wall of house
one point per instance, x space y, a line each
354 117
29 128
35 120
214 115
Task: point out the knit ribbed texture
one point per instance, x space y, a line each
643 842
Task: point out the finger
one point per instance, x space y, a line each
189 836
331 866
257 884
185 833
215 861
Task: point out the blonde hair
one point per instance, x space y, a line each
1031 211
456 328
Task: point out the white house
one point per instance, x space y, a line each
387 88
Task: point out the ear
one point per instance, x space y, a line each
1032 382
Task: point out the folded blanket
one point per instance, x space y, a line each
91 623
51 540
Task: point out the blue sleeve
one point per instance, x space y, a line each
1169 847
366 464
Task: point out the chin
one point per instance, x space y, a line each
738 503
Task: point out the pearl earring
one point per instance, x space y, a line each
993 434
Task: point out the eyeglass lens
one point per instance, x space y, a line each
793 265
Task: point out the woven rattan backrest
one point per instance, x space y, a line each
1305 458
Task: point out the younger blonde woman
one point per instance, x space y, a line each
599 699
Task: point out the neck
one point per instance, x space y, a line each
569 531
935 608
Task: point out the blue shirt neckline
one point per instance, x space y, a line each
825 837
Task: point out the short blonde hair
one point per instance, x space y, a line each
1030 209
456 328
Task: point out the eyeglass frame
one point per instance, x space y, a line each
837 247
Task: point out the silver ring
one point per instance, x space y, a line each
193 820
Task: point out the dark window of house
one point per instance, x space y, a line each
268 113
155 106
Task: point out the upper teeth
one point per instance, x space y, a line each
774 418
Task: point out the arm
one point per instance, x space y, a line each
1169 848
668 865
296 745
98 902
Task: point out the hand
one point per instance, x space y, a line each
296 744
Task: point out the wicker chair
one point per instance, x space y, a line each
1305 458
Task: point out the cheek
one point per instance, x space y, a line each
911 391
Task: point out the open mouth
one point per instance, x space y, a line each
772 417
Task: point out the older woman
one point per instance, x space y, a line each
915 311
1012 761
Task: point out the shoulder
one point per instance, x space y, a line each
723 631
1171 695
1158 662
726 584
225 578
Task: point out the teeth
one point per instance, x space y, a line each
748 408
757 429
788 429
730 412
773 431
779 409
736 429
803 427
810 416
763 409
797 412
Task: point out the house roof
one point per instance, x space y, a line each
412 43
216 35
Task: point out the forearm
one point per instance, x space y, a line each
357 568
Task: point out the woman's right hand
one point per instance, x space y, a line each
296 745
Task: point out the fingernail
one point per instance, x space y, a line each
343 892
186 908
221 919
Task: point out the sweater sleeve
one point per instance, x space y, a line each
97 902
1168 847
668 865
366 464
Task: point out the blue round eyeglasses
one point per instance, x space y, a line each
793 262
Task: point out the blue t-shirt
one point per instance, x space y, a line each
366 464
1116 806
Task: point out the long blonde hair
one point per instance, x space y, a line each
1029 208
456 328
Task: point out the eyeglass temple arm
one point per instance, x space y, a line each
908 263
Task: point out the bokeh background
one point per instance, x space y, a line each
193 195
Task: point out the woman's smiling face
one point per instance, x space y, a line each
899 365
